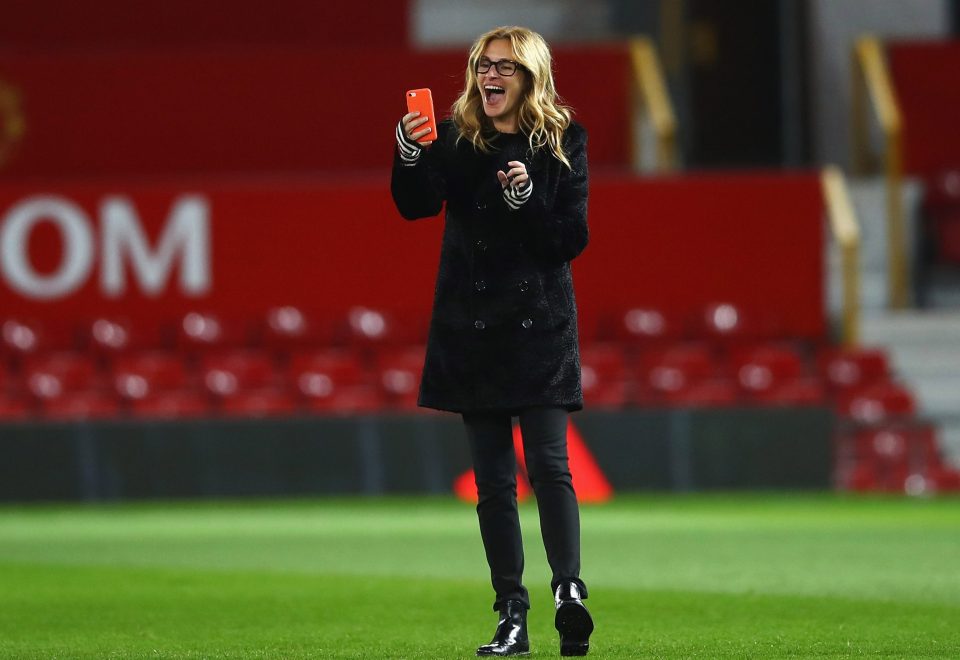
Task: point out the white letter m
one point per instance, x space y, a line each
187 232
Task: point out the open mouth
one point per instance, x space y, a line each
493 94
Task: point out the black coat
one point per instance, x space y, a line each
503 334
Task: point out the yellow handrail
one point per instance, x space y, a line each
846 231
651 95
11 119
872 82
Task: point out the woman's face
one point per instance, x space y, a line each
501 94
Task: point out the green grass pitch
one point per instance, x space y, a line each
696 576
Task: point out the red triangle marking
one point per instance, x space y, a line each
588 479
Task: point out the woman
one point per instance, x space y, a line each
512 168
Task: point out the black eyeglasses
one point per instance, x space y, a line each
505 68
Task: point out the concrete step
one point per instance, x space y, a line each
949 436
913 328
934 360
937 396
924 348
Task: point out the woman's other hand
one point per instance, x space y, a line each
516 176
517 186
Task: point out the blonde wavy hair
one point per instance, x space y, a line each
542 117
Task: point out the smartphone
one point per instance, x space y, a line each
421 100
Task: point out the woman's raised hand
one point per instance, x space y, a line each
410 121
516 176
517 186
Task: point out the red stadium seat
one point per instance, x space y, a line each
347 400
89 404
137 375
876 403
6 378
858 477
726 323
20 337
665 373
14 409
848 368
867 473
333 381
771 373
761 368
944 479
646 326
290 328
604 375
398 374
198 331
889 445
365 326
802 391
260 403
182 404
318 372
898 457
710 392
53 375
109 336
227 374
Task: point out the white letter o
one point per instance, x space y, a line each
77 247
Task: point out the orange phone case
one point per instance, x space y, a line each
421 100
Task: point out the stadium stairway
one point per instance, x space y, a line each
923 346
868 195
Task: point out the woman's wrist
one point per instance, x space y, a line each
516 196
409 150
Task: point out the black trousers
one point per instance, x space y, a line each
494 462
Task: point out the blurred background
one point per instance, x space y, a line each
205 289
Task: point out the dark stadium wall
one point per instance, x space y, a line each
683 450
153 252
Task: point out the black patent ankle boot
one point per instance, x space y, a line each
573 621
511 636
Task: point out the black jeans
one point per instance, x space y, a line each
494 462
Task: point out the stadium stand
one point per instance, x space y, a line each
699 290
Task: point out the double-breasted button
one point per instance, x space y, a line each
524 285
526 323
479 325
480 285
481 245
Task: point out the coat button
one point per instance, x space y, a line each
524 285
526 323
480 285
479 325
481 245
481 206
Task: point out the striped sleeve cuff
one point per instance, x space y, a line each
515 197
409 151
